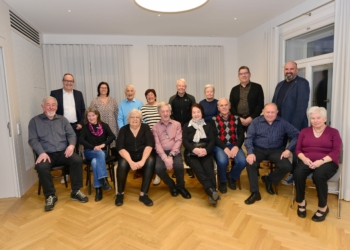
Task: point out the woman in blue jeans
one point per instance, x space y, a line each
229 137
95 136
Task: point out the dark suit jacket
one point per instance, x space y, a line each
79 103
295 102
255 99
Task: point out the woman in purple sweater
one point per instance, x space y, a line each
318 149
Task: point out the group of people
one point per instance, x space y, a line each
159 136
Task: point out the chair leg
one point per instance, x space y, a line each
293 199
239 183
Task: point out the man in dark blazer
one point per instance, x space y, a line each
247 98
70 104
292 97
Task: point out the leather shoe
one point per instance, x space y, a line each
223 187
119 199
268 185
173 191
302 214
253 198
213 194
105 184
231 183
184 193
98 195
322 217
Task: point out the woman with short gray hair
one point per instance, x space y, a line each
209 104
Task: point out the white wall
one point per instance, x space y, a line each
252 45
139 54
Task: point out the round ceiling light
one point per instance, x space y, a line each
170 6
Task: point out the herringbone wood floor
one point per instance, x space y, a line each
172 223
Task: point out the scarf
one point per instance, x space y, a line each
99 131
198 126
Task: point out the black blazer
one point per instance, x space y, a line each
255 99
79 103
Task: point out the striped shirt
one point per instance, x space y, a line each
150 114
263 135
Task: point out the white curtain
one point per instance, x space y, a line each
198 65
272 55
341 87
90 65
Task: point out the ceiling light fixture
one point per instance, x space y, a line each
170 6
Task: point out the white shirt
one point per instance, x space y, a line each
69 110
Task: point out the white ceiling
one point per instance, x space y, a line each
124 17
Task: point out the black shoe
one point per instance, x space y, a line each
146 200
184 193
105 184
98 195
268 185
213 194
79 196
51 201
322 217
253 198
223 187
189 172
302 214
173 191
231 183
119 199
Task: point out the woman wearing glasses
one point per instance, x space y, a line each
134 144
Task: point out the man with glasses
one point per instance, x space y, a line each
70 105
168 139
247 98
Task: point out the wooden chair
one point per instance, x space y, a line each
110 167
54 168
267 164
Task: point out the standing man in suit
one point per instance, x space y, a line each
292 97
247 98
70 105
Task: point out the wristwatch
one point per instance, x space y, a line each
171 155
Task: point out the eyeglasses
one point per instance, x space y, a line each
244 73
70 81
166 134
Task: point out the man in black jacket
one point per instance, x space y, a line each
181 104
247 98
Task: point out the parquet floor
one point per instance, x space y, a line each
172 223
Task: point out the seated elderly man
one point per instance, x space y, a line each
53 139
168 139
229 137
264 141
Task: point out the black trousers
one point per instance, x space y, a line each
123 170
320 177
282 166
203 167
58 158
178 167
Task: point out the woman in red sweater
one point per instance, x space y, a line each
318 149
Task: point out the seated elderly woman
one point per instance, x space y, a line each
94 136
318 149
198 140
135 144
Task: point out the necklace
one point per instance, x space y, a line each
318 133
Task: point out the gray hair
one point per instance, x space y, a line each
49 98
317 110
181 80
129 85
162 104
209 86
133 111
224 98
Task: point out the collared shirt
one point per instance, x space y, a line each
263 135
69 106
167 137
124 108
49 136
243 107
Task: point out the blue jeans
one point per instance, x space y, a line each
97 159
222 162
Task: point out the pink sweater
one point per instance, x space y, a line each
329 143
